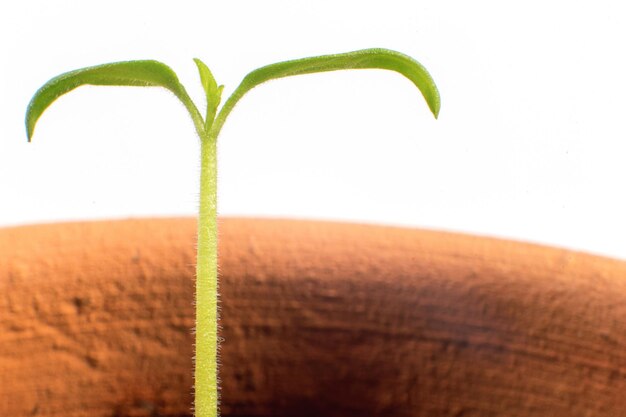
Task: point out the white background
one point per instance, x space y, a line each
530 143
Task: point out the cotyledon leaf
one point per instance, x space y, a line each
375 58
145 73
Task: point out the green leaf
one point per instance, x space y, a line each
206 77
212 91
363 59
131 73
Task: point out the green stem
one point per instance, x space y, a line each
206 389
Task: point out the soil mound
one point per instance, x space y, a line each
319 319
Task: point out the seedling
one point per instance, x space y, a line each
157 74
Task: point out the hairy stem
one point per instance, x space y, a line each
206 389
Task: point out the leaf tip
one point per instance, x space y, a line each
30 126
435 111
434 101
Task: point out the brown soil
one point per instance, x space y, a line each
320 319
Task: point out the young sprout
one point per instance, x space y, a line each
156 74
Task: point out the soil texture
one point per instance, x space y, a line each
318 319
